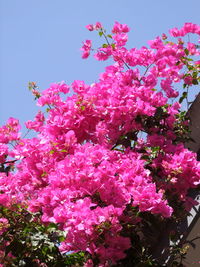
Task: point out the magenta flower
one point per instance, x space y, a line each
86 49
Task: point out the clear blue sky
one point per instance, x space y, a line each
40 41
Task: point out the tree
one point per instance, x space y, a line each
107 168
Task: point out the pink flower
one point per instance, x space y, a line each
110 151
120 28
79 87
89 263
37 123
51 96
164 36
187 28
191 28
103 53
120 39
36 93
96 26
167 87
190 203
86 48
3 153
188 80
175 32
90 27
156 44
4 200
192 49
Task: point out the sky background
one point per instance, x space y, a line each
40 41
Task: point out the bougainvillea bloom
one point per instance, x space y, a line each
110 156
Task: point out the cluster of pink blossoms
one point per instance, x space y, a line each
87 170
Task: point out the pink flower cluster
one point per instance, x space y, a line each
10 131
96 26
87 165
187 28
87 45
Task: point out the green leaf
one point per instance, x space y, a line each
104 45
63 150
52 225
61 238
190 67
195 81
186 51
195 74
184 95
109 36
100 33
145 157
187 58
43 174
